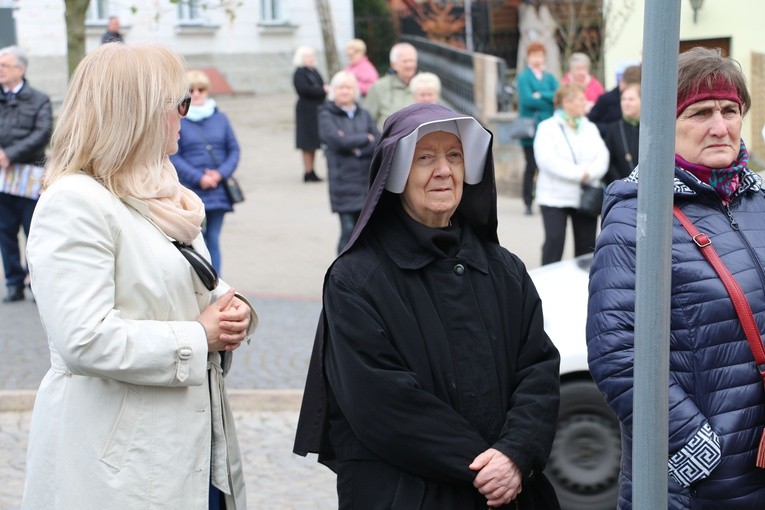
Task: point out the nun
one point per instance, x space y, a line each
432 383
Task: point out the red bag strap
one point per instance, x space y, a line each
740 303
743 310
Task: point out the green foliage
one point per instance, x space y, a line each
373 24
365 8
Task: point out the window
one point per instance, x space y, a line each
190 12
98 10
271 12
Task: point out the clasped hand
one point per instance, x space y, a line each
498 478
225 322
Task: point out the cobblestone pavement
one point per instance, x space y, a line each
276 247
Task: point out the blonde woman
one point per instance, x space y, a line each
208 153
133 413
360 66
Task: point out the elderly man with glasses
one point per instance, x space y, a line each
25 130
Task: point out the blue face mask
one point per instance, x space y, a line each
197 113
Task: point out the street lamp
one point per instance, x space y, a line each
696 5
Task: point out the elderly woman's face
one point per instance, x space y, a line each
580 73
198 95
536 59
709 133
345 94
425 95
434 186
574 104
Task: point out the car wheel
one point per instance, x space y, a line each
585 457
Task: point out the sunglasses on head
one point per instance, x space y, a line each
183 106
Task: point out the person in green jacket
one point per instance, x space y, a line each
391 92
536 89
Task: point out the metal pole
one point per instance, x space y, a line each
468 25
661 33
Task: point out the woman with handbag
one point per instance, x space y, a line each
716 398
133 412
536 91
208 154
571 157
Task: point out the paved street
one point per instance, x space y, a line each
276 247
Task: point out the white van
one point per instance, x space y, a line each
584 463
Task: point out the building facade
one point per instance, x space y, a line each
733 26
253 51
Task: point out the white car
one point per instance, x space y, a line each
584 463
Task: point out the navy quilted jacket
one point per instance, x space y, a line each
714 382
193 156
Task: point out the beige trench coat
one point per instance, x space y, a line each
123 418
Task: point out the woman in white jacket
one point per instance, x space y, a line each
132 413
569 152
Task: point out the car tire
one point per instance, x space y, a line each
584 462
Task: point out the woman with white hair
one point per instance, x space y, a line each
426 88
311 91
133 412
579 65
349 136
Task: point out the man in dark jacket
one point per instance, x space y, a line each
112 33
25 129
607 108
432 385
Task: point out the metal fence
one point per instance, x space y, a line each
457 71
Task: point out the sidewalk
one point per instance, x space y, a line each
276 248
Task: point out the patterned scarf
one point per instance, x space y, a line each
724 181
573 123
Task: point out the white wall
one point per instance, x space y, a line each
739 20
253 57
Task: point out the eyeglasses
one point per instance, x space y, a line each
198 89
8 66
204 270
183 106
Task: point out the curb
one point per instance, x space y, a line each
268 400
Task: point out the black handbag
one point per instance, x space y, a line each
591 199
521 127
233 190
591 195
230 185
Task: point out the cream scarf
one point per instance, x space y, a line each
176 210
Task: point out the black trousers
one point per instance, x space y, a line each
555 220
528 175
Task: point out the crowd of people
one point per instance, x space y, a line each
583 136
432 382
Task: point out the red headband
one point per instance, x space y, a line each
722 88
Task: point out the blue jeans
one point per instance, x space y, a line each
211 233
15 213
347 222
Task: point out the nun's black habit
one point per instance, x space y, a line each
430 350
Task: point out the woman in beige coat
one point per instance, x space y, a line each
132 413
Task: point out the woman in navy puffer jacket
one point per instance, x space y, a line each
207 153
716 394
